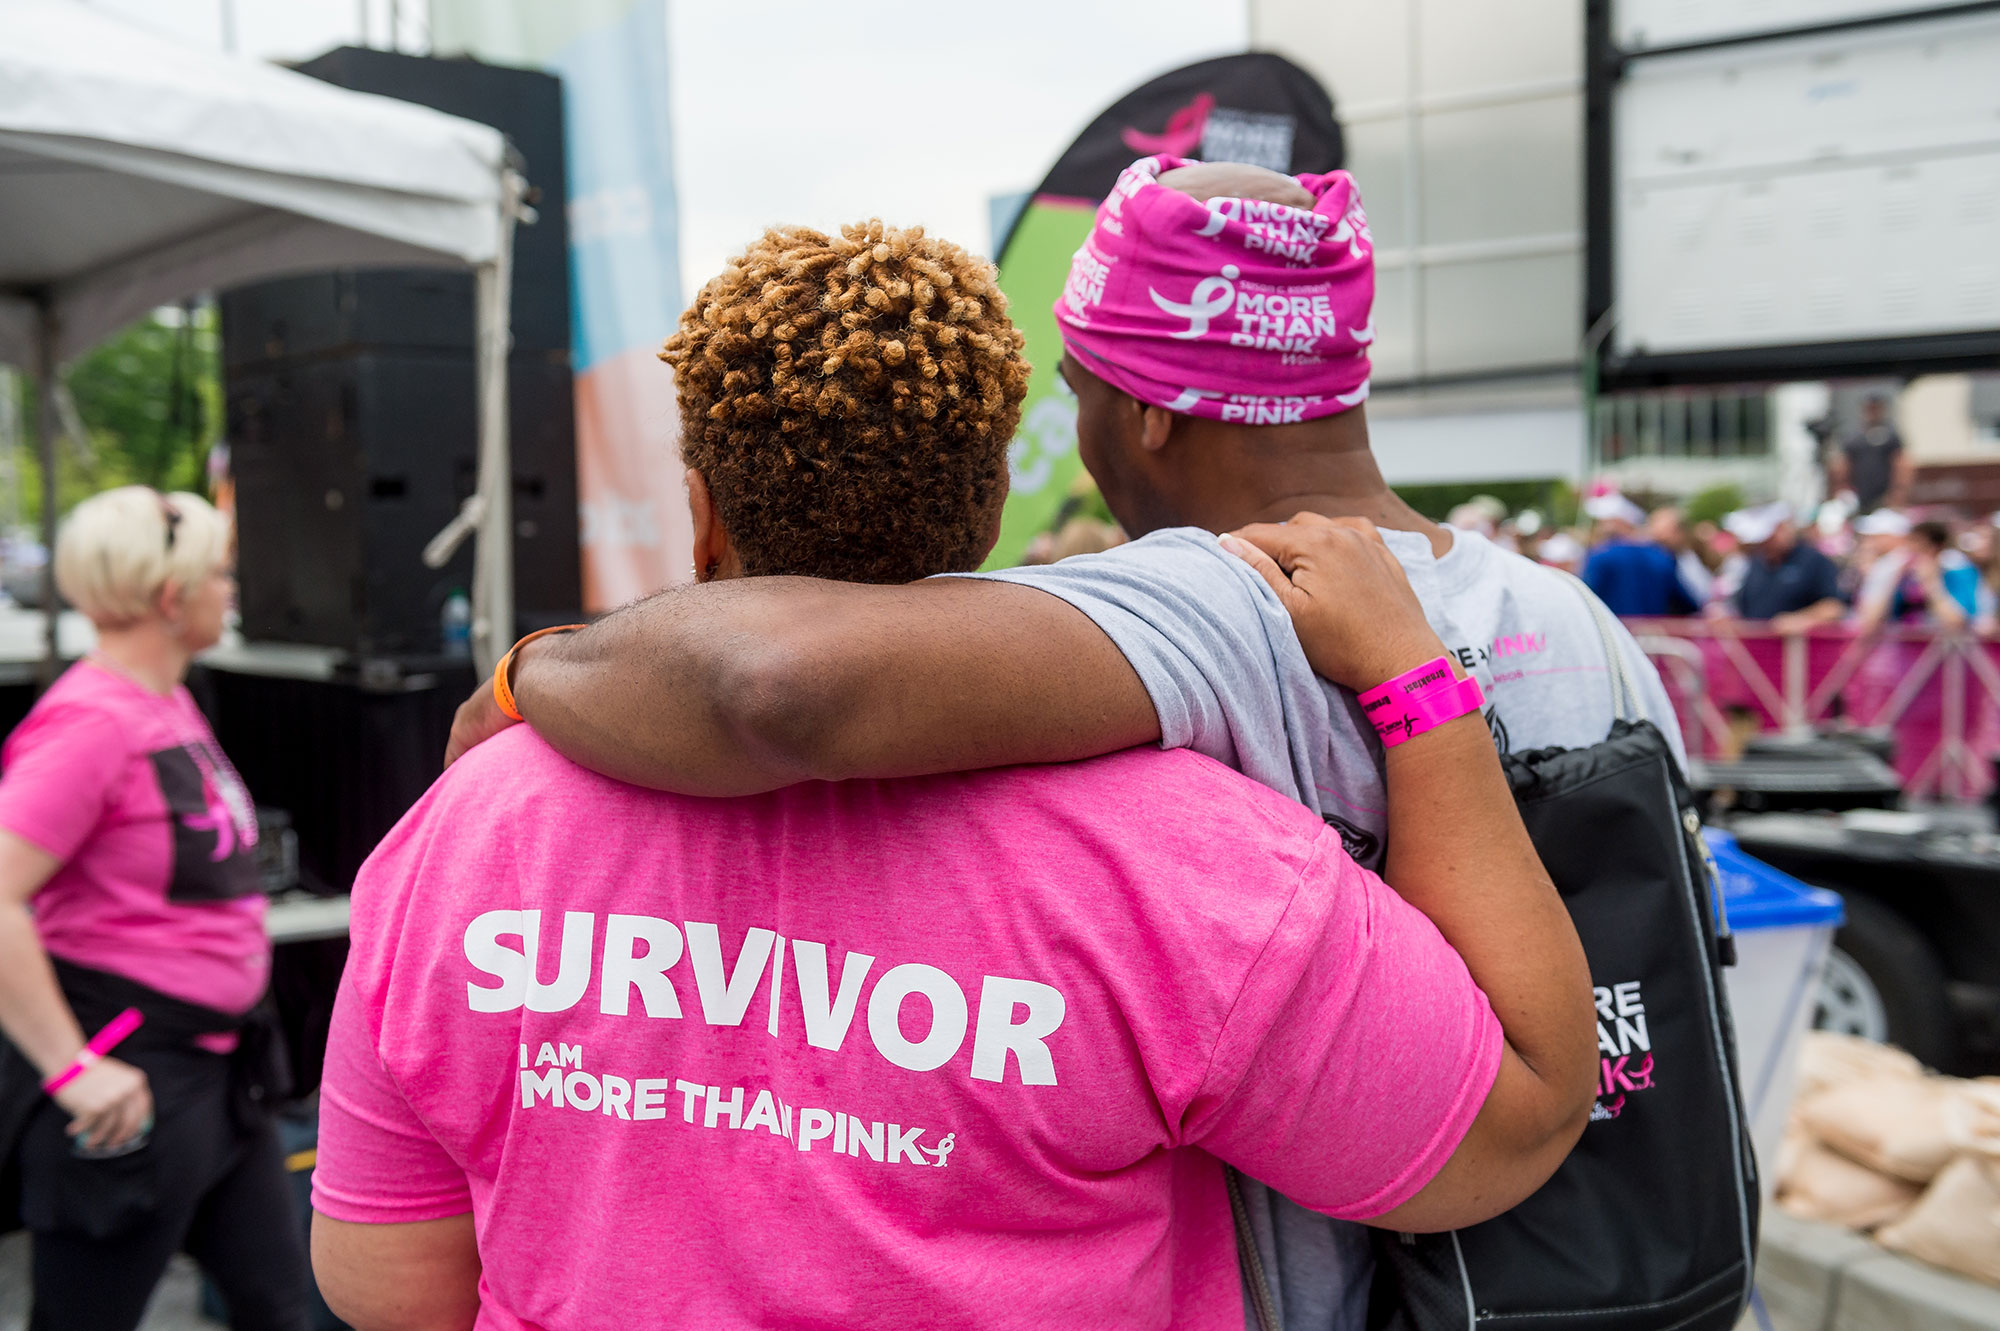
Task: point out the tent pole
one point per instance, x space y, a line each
46 384
10 452
493 554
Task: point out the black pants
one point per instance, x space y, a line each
104 1229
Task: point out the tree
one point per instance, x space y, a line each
1713 504
1555 498
150 401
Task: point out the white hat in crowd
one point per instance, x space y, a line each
1882 522
1833 515
1562 550
1613 507
1754 526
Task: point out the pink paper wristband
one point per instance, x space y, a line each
100 1044
1430 677
1408 718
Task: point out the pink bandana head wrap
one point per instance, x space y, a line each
1233 309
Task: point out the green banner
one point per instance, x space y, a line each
1042 460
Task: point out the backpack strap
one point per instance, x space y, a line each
1627 703
1255 1282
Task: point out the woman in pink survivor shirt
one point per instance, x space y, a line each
955 1050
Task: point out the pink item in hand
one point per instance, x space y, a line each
106 1040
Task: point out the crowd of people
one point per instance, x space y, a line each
1771 563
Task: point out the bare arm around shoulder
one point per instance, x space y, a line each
1459 853
422 1276
731 688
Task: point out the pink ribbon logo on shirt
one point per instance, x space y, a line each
218 821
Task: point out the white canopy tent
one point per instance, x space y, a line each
136 171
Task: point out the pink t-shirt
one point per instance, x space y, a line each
156 834
957 1052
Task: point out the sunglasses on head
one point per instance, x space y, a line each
172 516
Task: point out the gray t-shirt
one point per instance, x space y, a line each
1217 653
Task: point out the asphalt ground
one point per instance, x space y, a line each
175 1305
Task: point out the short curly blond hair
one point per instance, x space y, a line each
849 401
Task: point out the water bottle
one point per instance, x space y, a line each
455 626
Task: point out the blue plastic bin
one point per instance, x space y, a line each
1783 929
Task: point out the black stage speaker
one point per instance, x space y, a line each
415 307
352 405
347 465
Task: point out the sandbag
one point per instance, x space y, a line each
1827 1060
1909 1129
1956 1224
1791 1149
1823 1185
1972 1119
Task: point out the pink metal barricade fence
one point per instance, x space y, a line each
1936 692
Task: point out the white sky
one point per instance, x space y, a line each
846 111
818 113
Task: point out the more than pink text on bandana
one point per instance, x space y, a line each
1234 309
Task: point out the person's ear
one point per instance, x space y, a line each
170 604
1156 426
712 554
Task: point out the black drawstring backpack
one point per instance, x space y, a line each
1650 1223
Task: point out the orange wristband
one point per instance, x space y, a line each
503 690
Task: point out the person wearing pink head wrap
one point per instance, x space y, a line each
1216 328
1244 310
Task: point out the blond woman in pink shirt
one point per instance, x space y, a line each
128 882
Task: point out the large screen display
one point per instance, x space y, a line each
1836 188
1643 25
